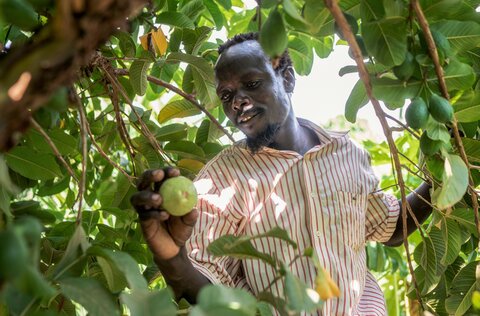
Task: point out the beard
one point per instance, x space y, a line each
264 138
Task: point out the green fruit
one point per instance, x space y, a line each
417 114
406 69
179 195
429 146
440 109
352 21
273 37
441 42
19 13
13 255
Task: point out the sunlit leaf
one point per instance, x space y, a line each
138 76
177 19
177 109
455 182
357 99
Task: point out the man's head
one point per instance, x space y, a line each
254 90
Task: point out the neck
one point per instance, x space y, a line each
292 136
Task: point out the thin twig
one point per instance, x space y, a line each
186 96
432 49
81 187
54 148
117 87
411 131
104 155
337 13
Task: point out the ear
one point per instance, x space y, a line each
289 79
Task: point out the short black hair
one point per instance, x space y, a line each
284 63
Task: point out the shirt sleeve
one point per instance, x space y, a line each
218 216
382 211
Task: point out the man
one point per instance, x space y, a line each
290 173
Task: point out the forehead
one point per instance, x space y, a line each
242 59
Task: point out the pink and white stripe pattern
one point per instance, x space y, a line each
326 199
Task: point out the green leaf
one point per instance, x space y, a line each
138 76
65 143
292 11
193 9
31 164
472 149
215 12
323 46
91 294
206 90
185 149
391 90
219 300
126 44
439 9
462 288
123 262
301 54
177 109
273 36
437 131
264 309
357 99
462 35
203 67
193 39
171 132
468 109
458 76
386 39
238 247
145 303
73 259
299 297
453 241
465 217
455 183
176 19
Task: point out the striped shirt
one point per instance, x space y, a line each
326 199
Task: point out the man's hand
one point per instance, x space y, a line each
165 234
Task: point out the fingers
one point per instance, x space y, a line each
180 228
191 218
149 177
146 200
155 177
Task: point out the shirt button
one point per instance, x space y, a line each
318 233
313 195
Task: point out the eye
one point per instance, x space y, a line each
252 84
225 96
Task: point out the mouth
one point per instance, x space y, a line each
246 117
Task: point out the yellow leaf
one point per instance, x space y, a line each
325 286
159 41
145 40
190 164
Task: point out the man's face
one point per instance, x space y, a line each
252 93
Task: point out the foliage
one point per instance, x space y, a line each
142 103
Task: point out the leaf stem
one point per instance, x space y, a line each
83 134
335 10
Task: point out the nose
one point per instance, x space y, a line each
240 101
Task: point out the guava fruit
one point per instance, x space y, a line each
13 255
429 146
352 21
179 195
440 109
441 42
361 44
417 114
406 69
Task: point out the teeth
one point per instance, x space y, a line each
245 119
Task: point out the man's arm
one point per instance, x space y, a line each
420 208
166 236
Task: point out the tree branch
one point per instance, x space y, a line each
432 50
83 178
337 13
186 96
52 57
